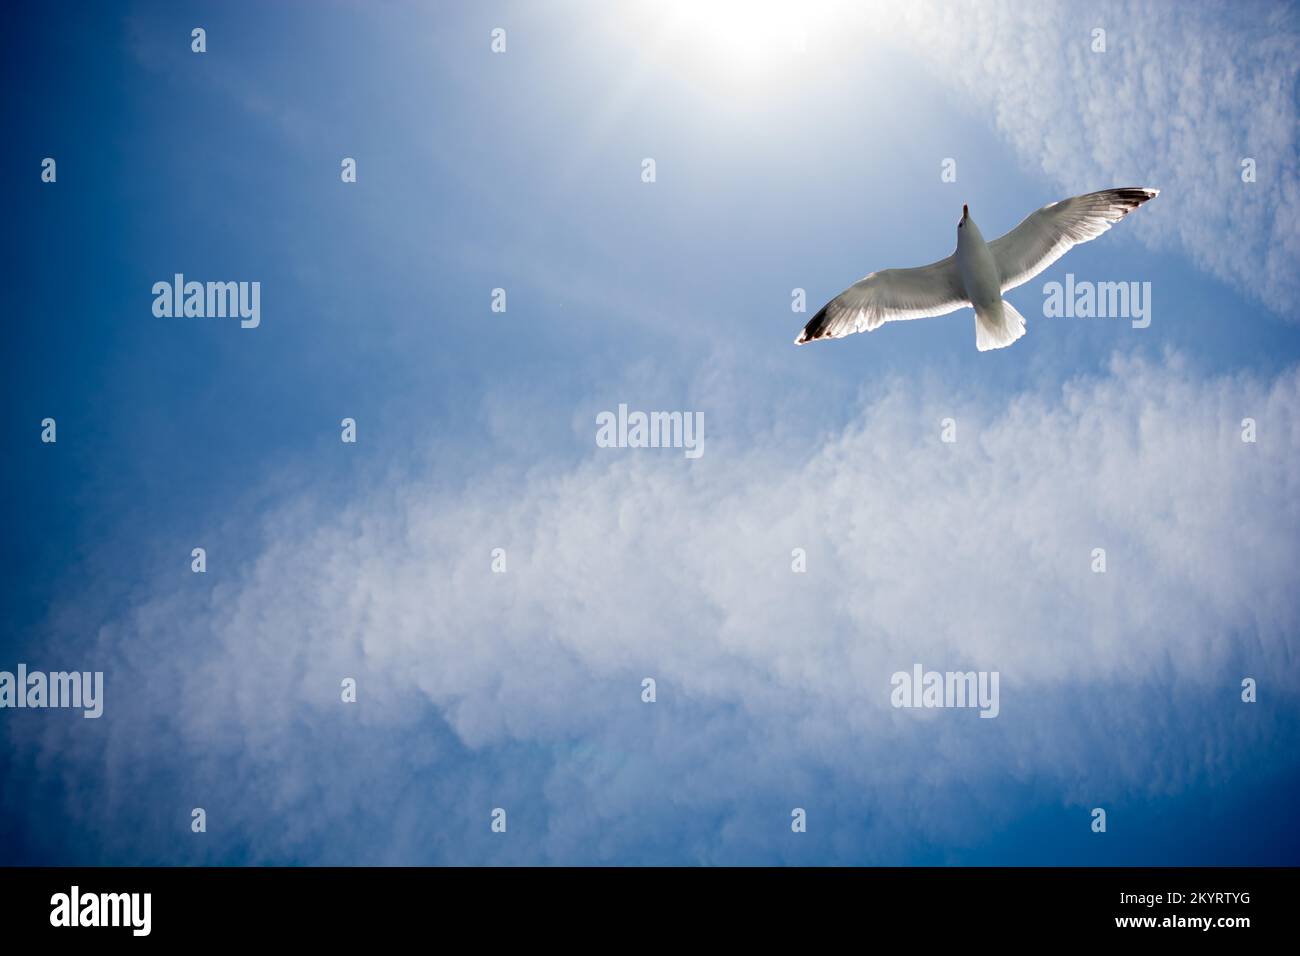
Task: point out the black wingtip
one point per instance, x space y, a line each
1133 196
815 328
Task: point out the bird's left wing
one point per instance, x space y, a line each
1049 233
889 296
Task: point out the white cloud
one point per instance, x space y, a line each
967 556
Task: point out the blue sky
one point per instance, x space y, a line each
776 170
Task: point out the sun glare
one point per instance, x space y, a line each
732 40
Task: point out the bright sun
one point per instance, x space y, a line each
738 35
734 40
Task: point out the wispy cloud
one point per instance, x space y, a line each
522 689
1182 94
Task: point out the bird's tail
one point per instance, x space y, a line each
998 326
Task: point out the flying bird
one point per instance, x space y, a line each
977 274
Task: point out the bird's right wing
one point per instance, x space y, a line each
1052 231
889 296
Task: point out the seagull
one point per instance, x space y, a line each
976 274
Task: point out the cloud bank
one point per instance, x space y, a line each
522 690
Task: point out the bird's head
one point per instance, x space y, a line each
965 214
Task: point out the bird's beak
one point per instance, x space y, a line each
965 211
